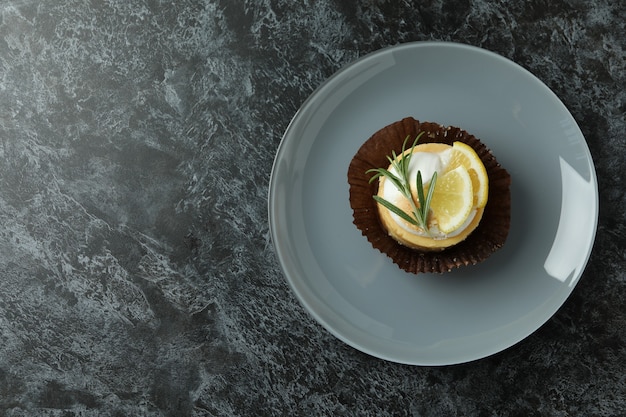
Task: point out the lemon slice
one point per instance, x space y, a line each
453 199
464 155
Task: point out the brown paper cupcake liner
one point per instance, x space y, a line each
489 236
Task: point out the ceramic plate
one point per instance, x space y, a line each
357 293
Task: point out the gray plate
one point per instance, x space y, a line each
357 293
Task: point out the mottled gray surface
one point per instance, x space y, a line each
136 272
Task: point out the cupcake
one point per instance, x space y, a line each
431 198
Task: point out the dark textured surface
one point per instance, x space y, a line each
136 272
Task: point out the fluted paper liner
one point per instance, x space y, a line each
487 238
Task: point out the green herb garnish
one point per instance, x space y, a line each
419 215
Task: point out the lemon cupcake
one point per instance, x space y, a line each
430 197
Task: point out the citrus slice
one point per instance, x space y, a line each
453 199
464 155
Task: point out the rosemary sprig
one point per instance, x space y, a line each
401 181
